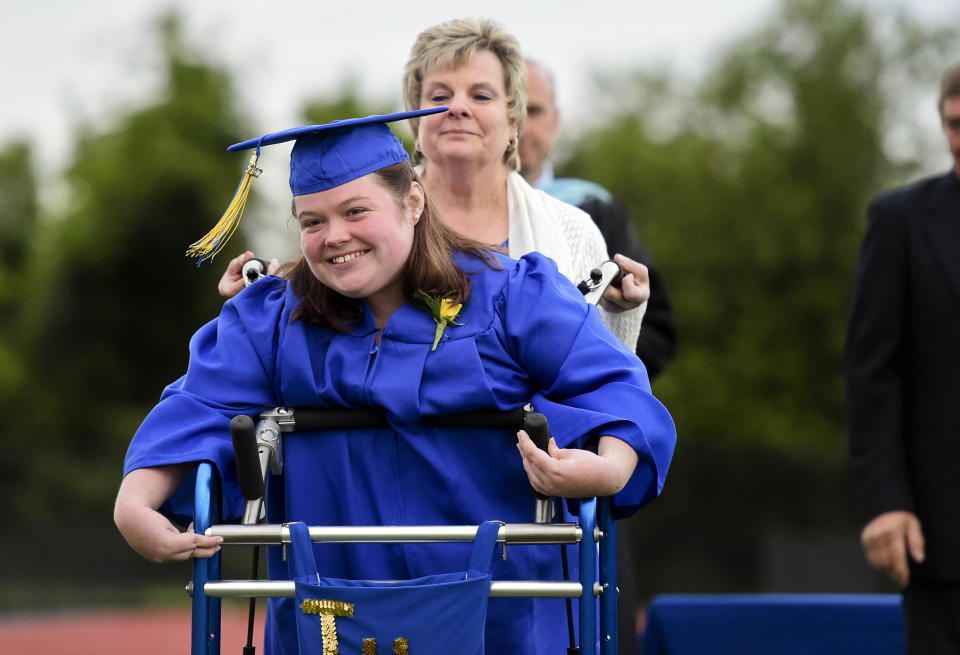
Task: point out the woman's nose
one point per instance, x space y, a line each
458 106
337 234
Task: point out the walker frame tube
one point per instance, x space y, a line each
287 589
588 576
205 631
275 534
608 577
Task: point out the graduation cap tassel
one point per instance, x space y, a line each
214 240
348 149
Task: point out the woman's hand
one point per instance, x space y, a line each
576 473
157 539
146 530
231 283
634 286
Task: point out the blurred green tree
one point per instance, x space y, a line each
346 103
112 298
750 187
19 212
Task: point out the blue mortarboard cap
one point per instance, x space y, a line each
323 157
326 156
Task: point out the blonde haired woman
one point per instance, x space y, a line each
468 160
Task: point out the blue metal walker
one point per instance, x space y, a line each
595 589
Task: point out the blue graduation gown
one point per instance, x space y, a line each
527 336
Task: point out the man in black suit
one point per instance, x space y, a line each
903 384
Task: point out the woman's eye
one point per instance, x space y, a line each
311 223
439 97
354 212
484 97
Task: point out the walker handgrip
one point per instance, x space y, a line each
538 430
245 452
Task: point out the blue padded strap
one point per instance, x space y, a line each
300 561
483 546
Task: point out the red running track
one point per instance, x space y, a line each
133 632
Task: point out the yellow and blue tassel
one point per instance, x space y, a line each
214 240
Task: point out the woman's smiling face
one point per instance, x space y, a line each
357 238
477 126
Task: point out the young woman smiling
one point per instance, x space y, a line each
388 308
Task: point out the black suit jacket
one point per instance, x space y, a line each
903 366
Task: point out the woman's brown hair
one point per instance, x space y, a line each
429 268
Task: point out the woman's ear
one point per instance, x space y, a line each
416 201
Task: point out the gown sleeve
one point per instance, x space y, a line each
231 372
589 383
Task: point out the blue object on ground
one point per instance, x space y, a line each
775 624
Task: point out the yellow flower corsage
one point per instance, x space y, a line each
443 311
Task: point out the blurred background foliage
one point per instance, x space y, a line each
749 185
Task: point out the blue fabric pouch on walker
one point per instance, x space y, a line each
437 614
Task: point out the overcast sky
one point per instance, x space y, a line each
69 62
